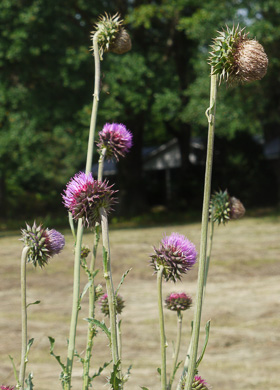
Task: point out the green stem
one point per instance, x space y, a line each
76 305
204 227
23 318
76 283
91 311
94 104
109 284
101 164
208 256
163 343
177 348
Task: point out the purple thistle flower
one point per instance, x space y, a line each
178 301
84 196
177 254
105 305
116 139
55 242
43 243
6 388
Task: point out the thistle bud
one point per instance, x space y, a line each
98 290
43 243
236 58
178 302
112 36
198 384
223 207
85 251
105 304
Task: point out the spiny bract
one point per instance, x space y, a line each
111 35
236 58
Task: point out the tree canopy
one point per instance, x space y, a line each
160 89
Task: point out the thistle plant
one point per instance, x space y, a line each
235 59
40 245
177 302
176 256
222 209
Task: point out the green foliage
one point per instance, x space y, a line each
114 380
160 88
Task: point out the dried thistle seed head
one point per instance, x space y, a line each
178 301
236 58
237 210
251 61
112 36
43 243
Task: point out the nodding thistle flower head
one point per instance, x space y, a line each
105 305
84 196
198 384
43 243
178 301
112 36
223 207
6 388
177 255
236 58
116 139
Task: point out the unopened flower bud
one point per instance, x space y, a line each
98 291
85 251
105 304
198 384
178 302
223 207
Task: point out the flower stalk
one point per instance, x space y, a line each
109 284
210 113
24 256
77 260
91 310
163 343
177 348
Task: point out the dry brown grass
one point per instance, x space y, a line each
242 301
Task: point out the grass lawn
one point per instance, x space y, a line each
242 301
